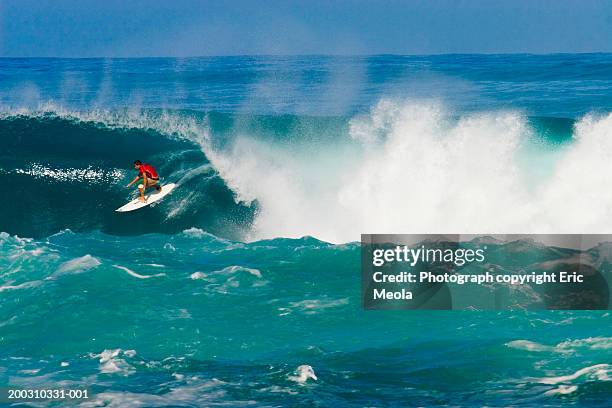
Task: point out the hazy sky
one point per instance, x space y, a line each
124 28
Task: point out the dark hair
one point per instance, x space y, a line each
137 163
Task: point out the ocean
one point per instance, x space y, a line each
242 287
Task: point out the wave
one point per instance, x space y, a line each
69 170
405 166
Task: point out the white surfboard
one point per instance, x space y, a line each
155 196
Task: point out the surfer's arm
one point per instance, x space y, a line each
133 181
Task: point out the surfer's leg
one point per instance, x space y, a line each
141 189
154 183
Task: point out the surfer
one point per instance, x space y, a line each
149 178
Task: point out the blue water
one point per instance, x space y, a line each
562 85
226 290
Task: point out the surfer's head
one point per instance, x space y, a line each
137 164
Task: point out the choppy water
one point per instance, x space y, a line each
225 291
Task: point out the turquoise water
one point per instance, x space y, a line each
225 291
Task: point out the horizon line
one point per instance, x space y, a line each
309 55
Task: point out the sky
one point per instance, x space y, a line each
183 28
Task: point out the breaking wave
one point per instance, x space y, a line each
410 167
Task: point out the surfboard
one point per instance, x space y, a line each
154 197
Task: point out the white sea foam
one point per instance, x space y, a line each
196 392
600 372
303 373
88 174
24 285
197 275
119 399
562 390
414 168
231 279
236 269
593 343
313 306
568 346
530 346
194 232
33 371
77 265
137 275
112 361
229 271
7 321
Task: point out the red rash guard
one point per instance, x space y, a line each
149 170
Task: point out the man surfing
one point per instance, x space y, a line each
149 178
